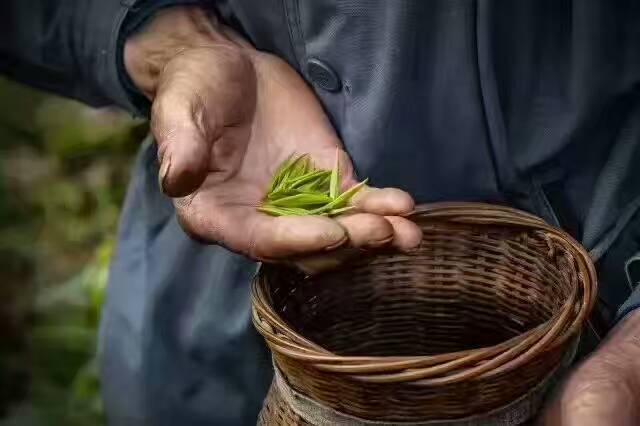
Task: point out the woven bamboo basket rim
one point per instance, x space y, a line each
454 367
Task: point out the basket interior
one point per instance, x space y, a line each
465 287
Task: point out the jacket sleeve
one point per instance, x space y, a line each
74 47
631 304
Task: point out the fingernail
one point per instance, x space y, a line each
411 213
379 243
162 174
337 244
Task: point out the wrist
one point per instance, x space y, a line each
168 33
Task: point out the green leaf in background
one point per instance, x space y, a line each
64 169
64 340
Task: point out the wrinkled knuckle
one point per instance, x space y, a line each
158 112
171 117
276 235
368 221
380 227
329 238
174 100
161 117
375 228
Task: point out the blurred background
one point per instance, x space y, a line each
64 168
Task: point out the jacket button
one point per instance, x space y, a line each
322 75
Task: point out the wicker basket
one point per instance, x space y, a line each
471 328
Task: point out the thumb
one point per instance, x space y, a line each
184 142
201 90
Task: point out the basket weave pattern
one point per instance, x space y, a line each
474 318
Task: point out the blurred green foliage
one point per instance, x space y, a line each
64 377
63 173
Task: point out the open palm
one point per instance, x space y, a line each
225 119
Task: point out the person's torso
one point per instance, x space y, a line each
531 103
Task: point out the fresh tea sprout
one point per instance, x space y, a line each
298 188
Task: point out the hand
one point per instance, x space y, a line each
605 389
224 117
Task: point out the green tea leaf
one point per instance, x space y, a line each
282 211
299 189
308 165
323 185
336 212
298 167
347 195
291 167
320 186
334 185
301 200
298 211
282 193
342 200
273 211
279 174
309 177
